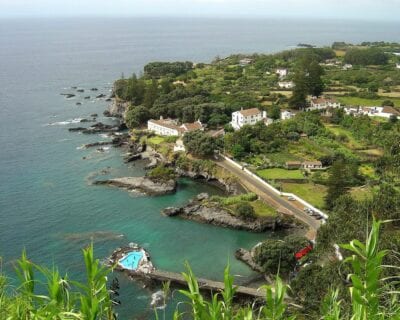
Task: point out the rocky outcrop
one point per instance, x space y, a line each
99 127
68 95
116 109
246 257
212 214
141 184
97 144
231 187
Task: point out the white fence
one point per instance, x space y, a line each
284 194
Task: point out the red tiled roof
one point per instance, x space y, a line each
388 109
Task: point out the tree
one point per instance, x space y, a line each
136 116
274 112
388 103
278 256
245 210
337 183
151 94
200 143
315 84
299 96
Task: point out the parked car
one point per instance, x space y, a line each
291 198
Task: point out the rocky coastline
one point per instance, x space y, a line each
205 212
141 184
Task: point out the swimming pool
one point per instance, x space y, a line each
131 260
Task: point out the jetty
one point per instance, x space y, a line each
123 259
204 284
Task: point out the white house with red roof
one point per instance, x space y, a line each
170 127
247 117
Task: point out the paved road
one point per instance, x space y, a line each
276 201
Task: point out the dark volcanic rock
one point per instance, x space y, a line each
141 184
80 90
94 89
96 144
87 97
76 129
67 95
108 99
213 214
94 115
98 127
79 104
102 95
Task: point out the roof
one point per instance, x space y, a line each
312 163
250 112
323 100
293 163
388 109
167 123
192 126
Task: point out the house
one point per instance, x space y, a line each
268 121
169 127
281 72
188 127
323 103
179 146
386 112
163 127
293 165
247 117
398 65
312 165
245 61
347 66
286 114
286 84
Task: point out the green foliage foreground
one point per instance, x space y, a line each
372 295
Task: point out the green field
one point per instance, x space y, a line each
352 142
312 193
156 140
278 173
356 101
263 210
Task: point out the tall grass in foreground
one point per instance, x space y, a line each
372 296
59 298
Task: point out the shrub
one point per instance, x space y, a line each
161 173
245 210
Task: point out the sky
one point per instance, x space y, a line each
339 9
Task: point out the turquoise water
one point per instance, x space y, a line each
131 260
47 204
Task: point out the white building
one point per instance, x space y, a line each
323 103
286 114
247 117
398 65
347 66
286 84
169 127
281 72
384 112
163 127
245 61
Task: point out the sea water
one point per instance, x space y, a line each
47 203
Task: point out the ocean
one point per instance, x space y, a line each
47 204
